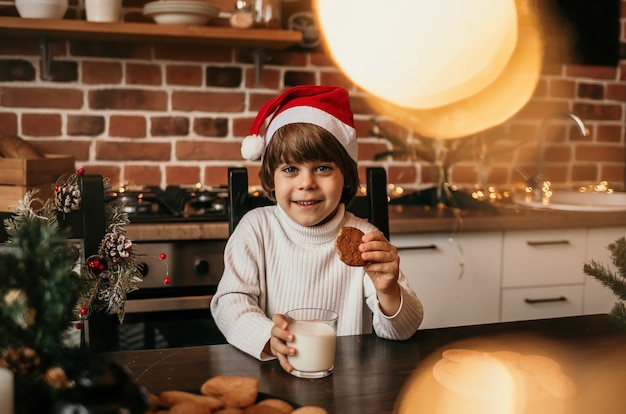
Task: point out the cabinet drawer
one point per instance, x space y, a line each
542 258
541 302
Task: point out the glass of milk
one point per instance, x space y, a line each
315 337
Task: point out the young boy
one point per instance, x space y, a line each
283 257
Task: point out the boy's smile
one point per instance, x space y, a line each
308 192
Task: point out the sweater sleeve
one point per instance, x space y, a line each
238 302
406 320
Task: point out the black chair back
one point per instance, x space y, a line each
373 206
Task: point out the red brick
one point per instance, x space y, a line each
187 75
79 149
208 101
8 123
216 175
143 74
368 150
182 175
166 126
101 73
85 125
41 98
111 172
270 78
606 112
599 153
128 99
208 150
142 175
608 133
127 126
335 78
616 92
241 126
562 88
41 125
402 174
587 173
257 100
588 71
132 151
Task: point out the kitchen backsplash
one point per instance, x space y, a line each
176 114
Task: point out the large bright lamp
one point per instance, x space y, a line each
448 68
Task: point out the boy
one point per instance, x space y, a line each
283 257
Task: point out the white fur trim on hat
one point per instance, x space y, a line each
252 147
345 134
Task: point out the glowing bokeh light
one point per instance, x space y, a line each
444 69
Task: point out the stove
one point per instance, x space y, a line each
153 204
176 314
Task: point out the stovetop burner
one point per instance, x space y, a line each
173 204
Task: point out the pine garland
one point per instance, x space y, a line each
616 281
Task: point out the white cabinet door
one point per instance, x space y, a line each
599 298
543 257
457 278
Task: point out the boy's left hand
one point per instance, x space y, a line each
383 266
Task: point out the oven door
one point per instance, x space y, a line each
177 314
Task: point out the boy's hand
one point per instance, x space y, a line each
278 342
384 268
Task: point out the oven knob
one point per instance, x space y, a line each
202 267
143 268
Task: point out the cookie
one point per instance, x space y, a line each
347 246
234 391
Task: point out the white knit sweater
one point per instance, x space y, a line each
272 265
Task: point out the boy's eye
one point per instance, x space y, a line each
289 169
324 168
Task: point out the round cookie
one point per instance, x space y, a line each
347 245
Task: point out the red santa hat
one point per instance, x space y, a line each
324 106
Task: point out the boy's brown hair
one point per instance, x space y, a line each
302 142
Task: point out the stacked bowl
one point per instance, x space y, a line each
186 12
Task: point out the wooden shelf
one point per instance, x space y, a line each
148 32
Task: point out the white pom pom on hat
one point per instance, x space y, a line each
325 106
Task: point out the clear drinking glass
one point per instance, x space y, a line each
315 338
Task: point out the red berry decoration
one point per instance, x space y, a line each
56 187
83 311
96 265
162 256
80 171
167 280
79 325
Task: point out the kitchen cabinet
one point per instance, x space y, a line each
542 273
456 276
599 298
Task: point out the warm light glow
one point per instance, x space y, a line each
442 50
444 69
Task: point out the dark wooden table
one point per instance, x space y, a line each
371 373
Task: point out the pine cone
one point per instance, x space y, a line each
22 361
67 198
115 247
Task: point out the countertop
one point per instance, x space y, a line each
371 374
413 219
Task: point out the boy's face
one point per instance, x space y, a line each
308 192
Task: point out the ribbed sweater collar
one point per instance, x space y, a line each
321 234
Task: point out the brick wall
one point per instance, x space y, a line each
176 114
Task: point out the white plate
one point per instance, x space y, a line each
184 12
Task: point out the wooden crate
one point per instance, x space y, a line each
11 195
16 171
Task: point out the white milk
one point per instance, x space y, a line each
315 343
